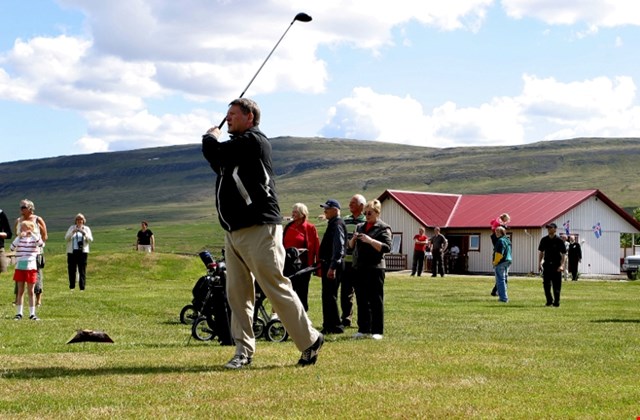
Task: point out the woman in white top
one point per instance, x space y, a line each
78 238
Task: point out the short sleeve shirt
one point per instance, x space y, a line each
553 249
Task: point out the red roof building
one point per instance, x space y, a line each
589 215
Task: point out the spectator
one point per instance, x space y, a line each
565 268
347 291
5 233
249 212
438 246
78 238
27 209
575 257
501 262
501 220
454 253
301 234
551 256
372 240
332 251
145 242
27 247
420 242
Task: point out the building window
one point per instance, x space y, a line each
474 242
396 244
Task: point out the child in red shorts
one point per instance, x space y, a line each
27 247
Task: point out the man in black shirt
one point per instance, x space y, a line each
5 233
551 258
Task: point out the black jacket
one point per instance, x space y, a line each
245 189
364 255
4 227
575 251
334 244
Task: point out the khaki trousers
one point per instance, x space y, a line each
258 250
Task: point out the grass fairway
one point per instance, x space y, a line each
450 351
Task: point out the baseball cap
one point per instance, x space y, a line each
552 225
331 203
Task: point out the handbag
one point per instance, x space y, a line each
40 261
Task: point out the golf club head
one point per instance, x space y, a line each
302 17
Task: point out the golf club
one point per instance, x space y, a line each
302 17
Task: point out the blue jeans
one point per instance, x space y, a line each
502 271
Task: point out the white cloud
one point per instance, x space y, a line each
143 129
136 51
591 108
88 144
595 13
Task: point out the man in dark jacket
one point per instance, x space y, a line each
575 256
249 212
439 245
332 251
551 257
5 233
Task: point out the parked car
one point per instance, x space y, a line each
630 265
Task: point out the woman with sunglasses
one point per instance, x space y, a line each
27 209
370 242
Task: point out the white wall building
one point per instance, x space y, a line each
589 215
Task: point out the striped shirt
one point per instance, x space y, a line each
27 249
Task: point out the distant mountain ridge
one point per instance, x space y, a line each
175 182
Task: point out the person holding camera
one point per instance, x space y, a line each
370 242
78 237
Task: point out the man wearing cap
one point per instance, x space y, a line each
551 258
332 251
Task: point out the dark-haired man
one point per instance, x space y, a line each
5 233
551 257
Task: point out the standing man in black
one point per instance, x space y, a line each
439 245
575 256
5 233
332 251
356 207
551 258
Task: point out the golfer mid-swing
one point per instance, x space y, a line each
249 212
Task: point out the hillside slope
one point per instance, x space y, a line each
175 183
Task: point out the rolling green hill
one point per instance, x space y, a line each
174 184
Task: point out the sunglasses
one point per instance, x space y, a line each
369 213
23 207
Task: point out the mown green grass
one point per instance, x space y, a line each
450 350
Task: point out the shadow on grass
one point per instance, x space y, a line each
172 322
59 372
616 320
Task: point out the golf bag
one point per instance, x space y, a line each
211 311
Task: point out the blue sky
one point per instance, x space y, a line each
83 76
